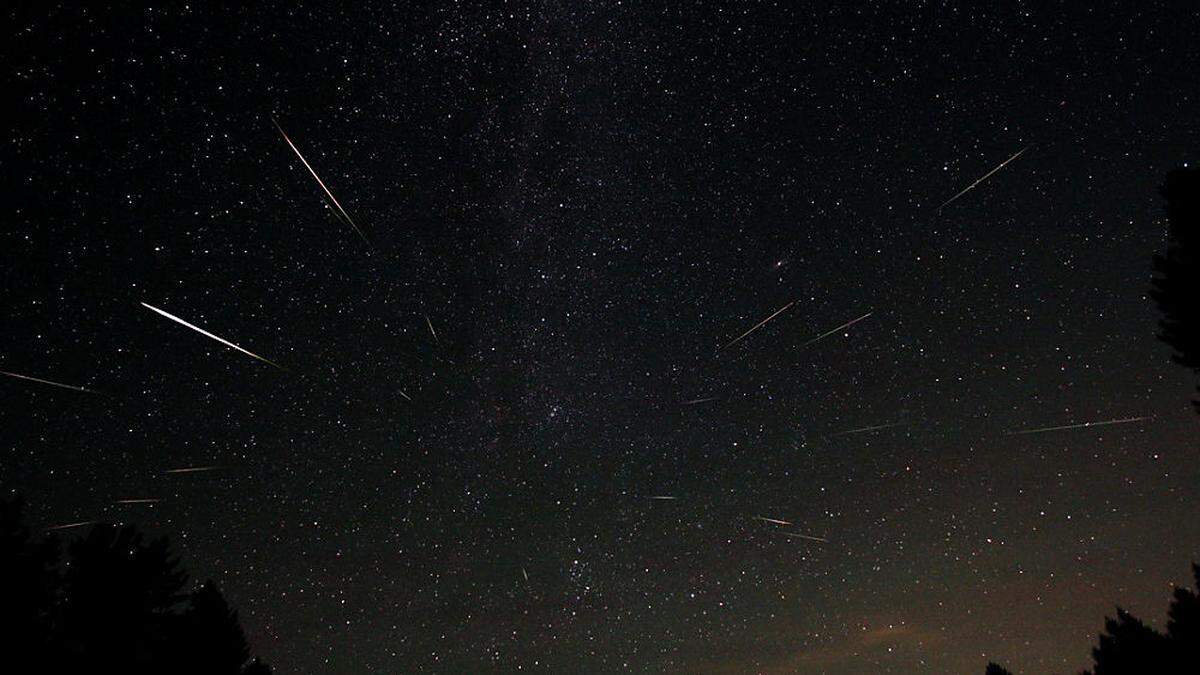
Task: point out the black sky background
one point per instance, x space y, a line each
586 201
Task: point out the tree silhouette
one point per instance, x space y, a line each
1176 288
1129 647
118 605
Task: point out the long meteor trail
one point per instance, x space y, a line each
985 177
137 501
841 327
52 384
863 430
1084 425
774 521
797 535
758 325
340 211
71 525
205 333
191 469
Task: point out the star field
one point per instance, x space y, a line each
568 209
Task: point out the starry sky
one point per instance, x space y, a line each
568 209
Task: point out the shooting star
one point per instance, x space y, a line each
985 177
774 521
227 343
863 430
192 469
406 397
53 384
525 574
1084 425
698 401
339 210
841 327
137 501
69 526
431 330
758 325
662 497
797 535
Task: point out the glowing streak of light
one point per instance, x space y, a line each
137 501
321 183
862 430
69 526
53 384
828 333
192 469
431 330
223 341
774 521
985 177
758 325
1084 425
697 401
663 497
797 535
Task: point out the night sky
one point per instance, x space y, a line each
569 208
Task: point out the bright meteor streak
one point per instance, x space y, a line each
758 325
1084 425
841 327
205 333
321 183
137 501
192 469
985 177
663 497
53 384
69 526
698 401
774 521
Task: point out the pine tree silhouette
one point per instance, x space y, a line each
1176 288
996 669
119 606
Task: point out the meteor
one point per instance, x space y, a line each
985 177
797 535
223 341
756 326
1084 425
697 401
406 397
862 430
831 332
775 521
663 497
69 526
431 330
137 501
339 210
192 469
53 384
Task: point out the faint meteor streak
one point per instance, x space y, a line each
1084 425
406 397
341 211
53 384
192 469
223 341
841 327
863 430
758 325
525 574
774 521
797 535
985 177
137 501
663 497
698 401
71 525
431 330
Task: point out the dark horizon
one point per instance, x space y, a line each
708 338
